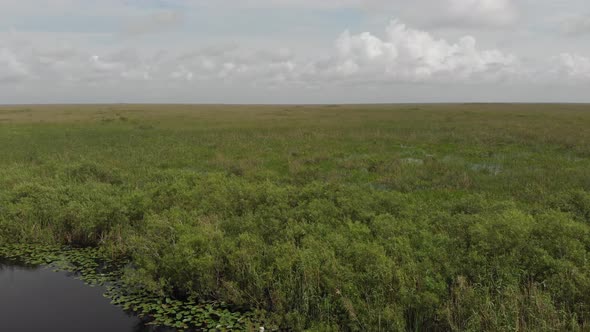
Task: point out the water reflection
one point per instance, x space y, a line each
38 299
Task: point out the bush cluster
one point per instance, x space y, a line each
328 256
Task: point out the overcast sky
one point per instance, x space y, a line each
294 51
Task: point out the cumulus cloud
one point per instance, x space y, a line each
449 45
574 66
399 55
11 68
112 67
22 61
402 55
25 61
409 55
235 63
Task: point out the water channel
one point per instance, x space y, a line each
38 299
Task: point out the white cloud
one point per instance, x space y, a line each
409 55
181 73
11 68
400 55
25 61
482 12
574 66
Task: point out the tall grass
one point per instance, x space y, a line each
362 217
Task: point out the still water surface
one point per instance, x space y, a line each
38 299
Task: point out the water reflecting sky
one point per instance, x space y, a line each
38 299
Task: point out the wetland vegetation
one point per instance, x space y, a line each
39 299
463 217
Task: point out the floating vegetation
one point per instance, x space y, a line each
181 314
95 268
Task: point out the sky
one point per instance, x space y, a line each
294 51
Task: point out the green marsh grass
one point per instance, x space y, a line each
464 217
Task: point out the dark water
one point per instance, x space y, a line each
38 299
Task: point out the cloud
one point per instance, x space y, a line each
11 68
459 14
23 61
154 23
409 55
576 25
574 66
448 13
235 63
400 55
481 12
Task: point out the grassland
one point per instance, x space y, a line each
471 217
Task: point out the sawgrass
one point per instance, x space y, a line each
331 217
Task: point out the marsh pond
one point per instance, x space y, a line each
52 288
39 299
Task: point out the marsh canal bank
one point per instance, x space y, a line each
93 284
39 299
